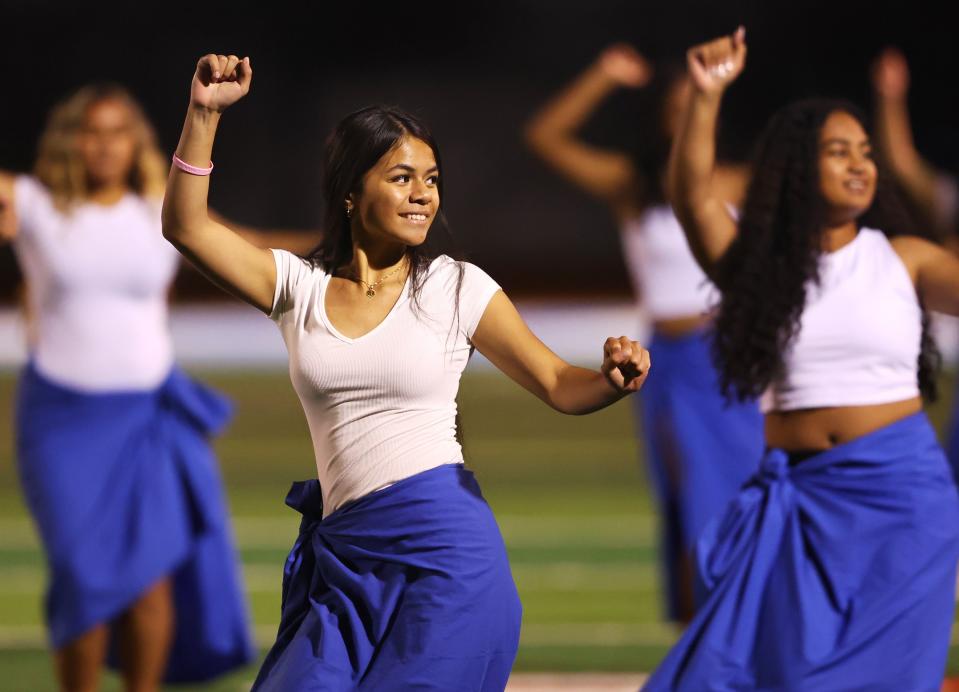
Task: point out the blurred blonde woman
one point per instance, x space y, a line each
112 438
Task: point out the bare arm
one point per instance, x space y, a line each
553 132
918 178
503 337
934 271
730 182
701 210
8 218
226 258
298 242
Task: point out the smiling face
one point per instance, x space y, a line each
400 195
107 143
847 171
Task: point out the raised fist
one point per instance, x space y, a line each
623 63
716 64
890 74
220 81
625 364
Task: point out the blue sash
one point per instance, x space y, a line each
952 434
700 448
125 490
406 588
837 573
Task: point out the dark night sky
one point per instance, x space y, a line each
475 72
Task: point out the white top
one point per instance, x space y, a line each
664 272
860 332
381 407
98 278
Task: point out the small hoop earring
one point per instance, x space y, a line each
349 212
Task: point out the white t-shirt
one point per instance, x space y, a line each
663 270
381 407
98 278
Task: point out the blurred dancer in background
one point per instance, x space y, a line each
933 194
399 579
112 438
835 566
700 447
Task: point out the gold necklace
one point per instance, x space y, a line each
371 287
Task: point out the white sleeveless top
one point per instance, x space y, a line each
860 332
664 272
98 279
380 407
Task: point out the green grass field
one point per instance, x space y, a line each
569 494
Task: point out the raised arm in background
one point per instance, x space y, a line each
919 179
709 226
8 220
553 133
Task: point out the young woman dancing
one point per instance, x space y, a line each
399 577
834 568
700 448
112 447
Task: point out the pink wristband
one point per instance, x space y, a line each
192 170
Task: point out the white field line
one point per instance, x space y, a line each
609 531
575 682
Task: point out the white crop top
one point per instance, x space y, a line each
380 407
860 332
98 278
663 270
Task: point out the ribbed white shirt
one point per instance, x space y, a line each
380 407
98 278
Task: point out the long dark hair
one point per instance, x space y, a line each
360 140
764 274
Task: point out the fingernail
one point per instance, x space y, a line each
216 75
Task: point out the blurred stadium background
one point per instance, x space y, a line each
570 494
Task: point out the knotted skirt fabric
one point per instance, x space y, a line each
700 448
125 490
407 588
835 573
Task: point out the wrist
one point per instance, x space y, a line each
601 76
709 99
203 114
610 384
891 99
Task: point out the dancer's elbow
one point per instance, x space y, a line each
175 224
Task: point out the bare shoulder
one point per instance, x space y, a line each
915 252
